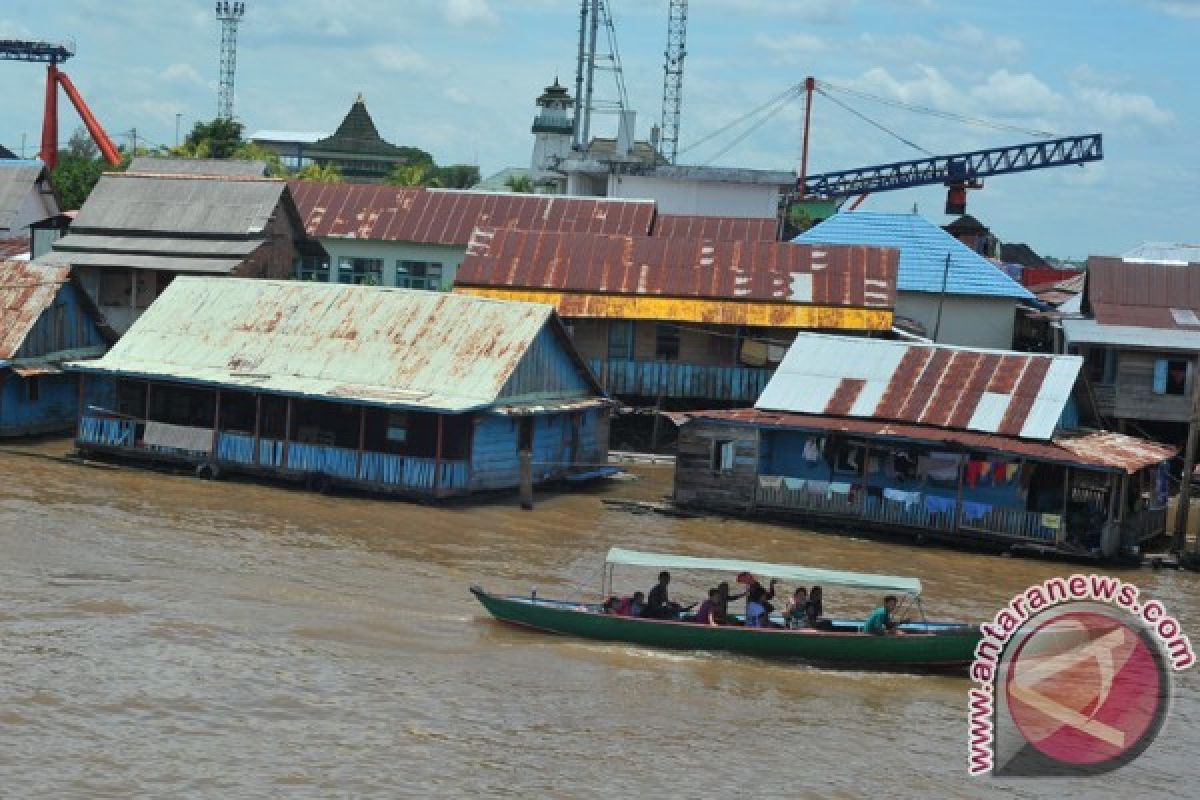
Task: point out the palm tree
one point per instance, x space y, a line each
520 183
321 173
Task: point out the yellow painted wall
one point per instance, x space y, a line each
679 309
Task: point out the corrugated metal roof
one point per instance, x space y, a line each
392 347
923 249
862 277
1168 252
26 290
994 391
1137 294
162 261
178 204
298 137
447 216
1089 331
156 245
17 180
1102 450
16 246
725 229
157 165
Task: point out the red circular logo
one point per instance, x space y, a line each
1086 689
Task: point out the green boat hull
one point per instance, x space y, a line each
923 646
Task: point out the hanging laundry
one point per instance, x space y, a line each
909 499
811 452
1051 521
972 511
974 469
1010 471
794 484
985 472
818 487
840 488
939 505
770 481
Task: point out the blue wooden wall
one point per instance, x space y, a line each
546 372
495 463
66 325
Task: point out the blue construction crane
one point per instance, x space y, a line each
959 172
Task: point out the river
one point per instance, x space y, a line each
162 636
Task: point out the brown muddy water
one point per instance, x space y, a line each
161 636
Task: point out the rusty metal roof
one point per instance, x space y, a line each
863 277
26 290
16 246
723 229
447 216
1098 450
390 347
1141 294
993 391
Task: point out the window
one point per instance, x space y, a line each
360 271
397 427
33 389
1101 363
620 340
1170 376
666 341
313 268
418 275
722 455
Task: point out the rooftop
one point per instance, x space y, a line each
26 290
924 250
990 391
1143 294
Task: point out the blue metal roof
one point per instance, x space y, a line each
923 248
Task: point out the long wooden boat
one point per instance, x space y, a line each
923 645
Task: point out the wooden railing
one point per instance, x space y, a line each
338 462
1143 525
857 504
674 379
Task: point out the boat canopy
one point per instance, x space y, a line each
809 575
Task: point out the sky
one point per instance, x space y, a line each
458 79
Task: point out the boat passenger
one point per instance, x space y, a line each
758 601
610 605
632 606
706 614
816 610
721 607
658 602
797 611
880 621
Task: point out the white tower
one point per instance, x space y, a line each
229 15
553 132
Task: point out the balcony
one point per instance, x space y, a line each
384 469
672 379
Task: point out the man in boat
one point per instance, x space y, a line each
658 601
880 621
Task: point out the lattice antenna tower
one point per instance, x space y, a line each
595 55
229 15
672 104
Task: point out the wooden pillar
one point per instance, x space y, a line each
362 440
963 460
287 434
82 401
526 458
1062 524
147 414
437 459
212 455
257 426
866 475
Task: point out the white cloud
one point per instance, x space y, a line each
794 10
983 43
1019 94
1119 107
11 29
793 48
1178 8
470 12
400 58
456 95
183 73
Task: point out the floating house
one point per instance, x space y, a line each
953 294
137 231
676 320
1139 337
417 393
45 319
415 238
964 444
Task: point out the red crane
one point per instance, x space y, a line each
52 54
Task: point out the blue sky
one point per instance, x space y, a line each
457 78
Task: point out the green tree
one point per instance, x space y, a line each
253 151
217 139
414 175
458 176
326 173
73 179
81 145
520 183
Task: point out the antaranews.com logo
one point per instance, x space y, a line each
1074 678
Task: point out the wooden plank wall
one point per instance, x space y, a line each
697 483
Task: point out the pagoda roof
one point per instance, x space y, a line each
356 135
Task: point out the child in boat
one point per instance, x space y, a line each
721 606
758 601
632 606
797 611
880 621
706 614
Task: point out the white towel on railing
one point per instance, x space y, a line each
840 488
909 499
770 481
794 483
180 437
818 487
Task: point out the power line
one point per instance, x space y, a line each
870 121
782 97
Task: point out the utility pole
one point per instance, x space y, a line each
937 325
178 117
1183 500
